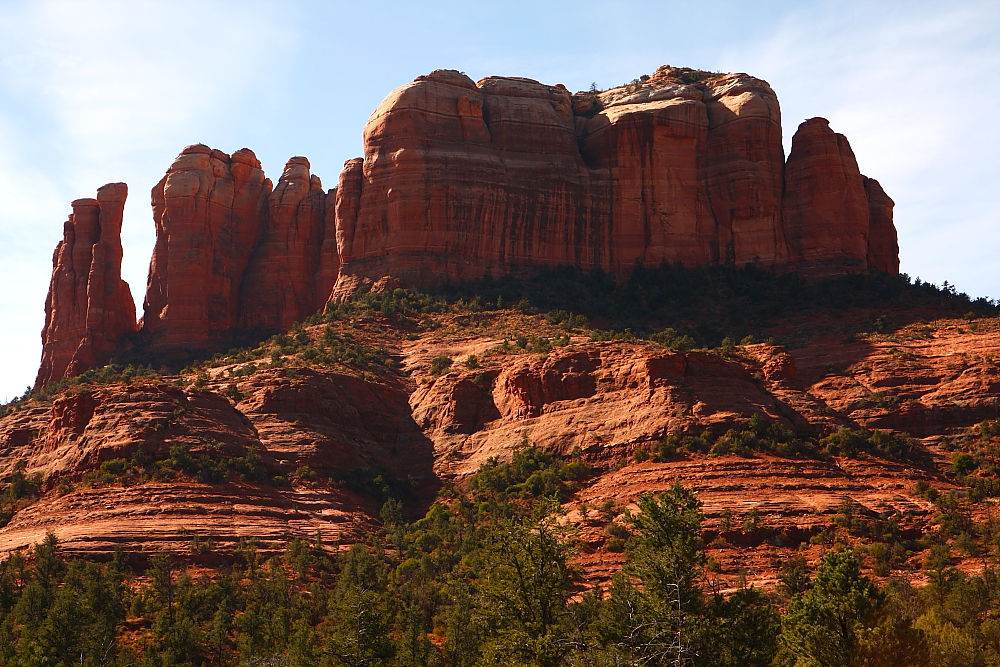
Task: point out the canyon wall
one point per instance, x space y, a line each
463 178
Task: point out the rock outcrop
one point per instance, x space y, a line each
280 283
89 307
210 212
744 160
231 254
461 179
331 437
825 205
883 247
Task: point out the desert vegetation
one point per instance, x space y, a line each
487 577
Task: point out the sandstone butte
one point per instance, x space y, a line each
462 179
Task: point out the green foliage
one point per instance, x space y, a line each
485 578
440 365
212 465
963 464
823 624
379 482
21 491
524 592
739 631
107 374
707 303
666 549
672 340
883 444
531 473
397 304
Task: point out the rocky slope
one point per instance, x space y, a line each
461 179
334 431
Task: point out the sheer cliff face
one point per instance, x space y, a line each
210 211
463 178
231 253
89 307
458 178
279 285
825 205
883 247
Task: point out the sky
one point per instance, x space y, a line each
97 91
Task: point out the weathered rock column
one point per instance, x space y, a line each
89 307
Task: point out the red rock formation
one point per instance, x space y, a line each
329 258
209 211
883 248
825 206
612 399
649 146
462 178
744 161
279 287
89 307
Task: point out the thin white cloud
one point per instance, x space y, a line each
110 90
909 85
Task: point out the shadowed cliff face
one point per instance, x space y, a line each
461 179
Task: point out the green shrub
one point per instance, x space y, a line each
440 365
962 464
853 443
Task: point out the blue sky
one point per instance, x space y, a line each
94 91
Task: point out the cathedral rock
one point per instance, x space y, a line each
463 178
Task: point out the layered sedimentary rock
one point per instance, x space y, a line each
232 254
210 212
825 205
279 286
89 307
608 402
744 160
460 179
883 247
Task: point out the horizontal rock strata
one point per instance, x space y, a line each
464 178
461 179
